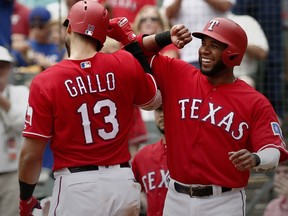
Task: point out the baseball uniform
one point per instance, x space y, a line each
150 169
85 108
202 124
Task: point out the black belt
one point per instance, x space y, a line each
199 191
93 167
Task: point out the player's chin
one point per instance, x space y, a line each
205 70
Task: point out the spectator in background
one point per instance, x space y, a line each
194 15
268 14
20 27
13 102
42 52
257 48
126 8
6 11
279 205
150 169
149 21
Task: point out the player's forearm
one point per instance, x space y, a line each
269 159
27 182
220 5
173 9
154 43
256 52
28 164
30 160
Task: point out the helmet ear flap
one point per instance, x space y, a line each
230 58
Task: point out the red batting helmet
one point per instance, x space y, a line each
230 33
89 18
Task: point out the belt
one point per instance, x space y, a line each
197 191
93 167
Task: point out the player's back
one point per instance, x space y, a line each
91 102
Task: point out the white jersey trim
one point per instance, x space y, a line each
36 134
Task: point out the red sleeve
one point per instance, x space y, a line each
38 120
146 52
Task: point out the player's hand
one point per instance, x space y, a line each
243 159
180 36
26 206
120 30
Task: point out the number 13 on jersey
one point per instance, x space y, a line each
108 119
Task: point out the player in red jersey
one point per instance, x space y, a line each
150 169
84 105
217 127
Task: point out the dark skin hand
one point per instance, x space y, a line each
243 159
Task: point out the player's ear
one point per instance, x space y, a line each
69 29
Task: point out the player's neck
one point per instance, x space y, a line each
82 51
224 78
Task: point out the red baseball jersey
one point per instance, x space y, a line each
150 169
204 122
86 106
138 132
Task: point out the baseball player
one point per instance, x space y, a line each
217 127
150 169
84 105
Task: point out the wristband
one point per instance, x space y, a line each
26 190
163 39
257 159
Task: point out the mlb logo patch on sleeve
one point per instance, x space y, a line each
85 64
277 130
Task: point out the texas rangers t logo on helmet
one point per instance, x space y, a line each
212 24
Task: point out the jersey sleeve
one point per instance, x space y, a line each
38 121
266 131
147 95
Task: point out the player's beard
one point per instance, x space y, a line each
161 130
67 45
218 68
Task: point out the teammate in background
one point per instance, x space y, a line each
279 205
217 127
150 169
84 106
13 101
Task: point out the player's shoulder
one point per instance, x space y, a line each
249 93
122 54
53 70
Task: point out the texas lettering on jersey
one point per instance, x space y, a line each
149 180
224 121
